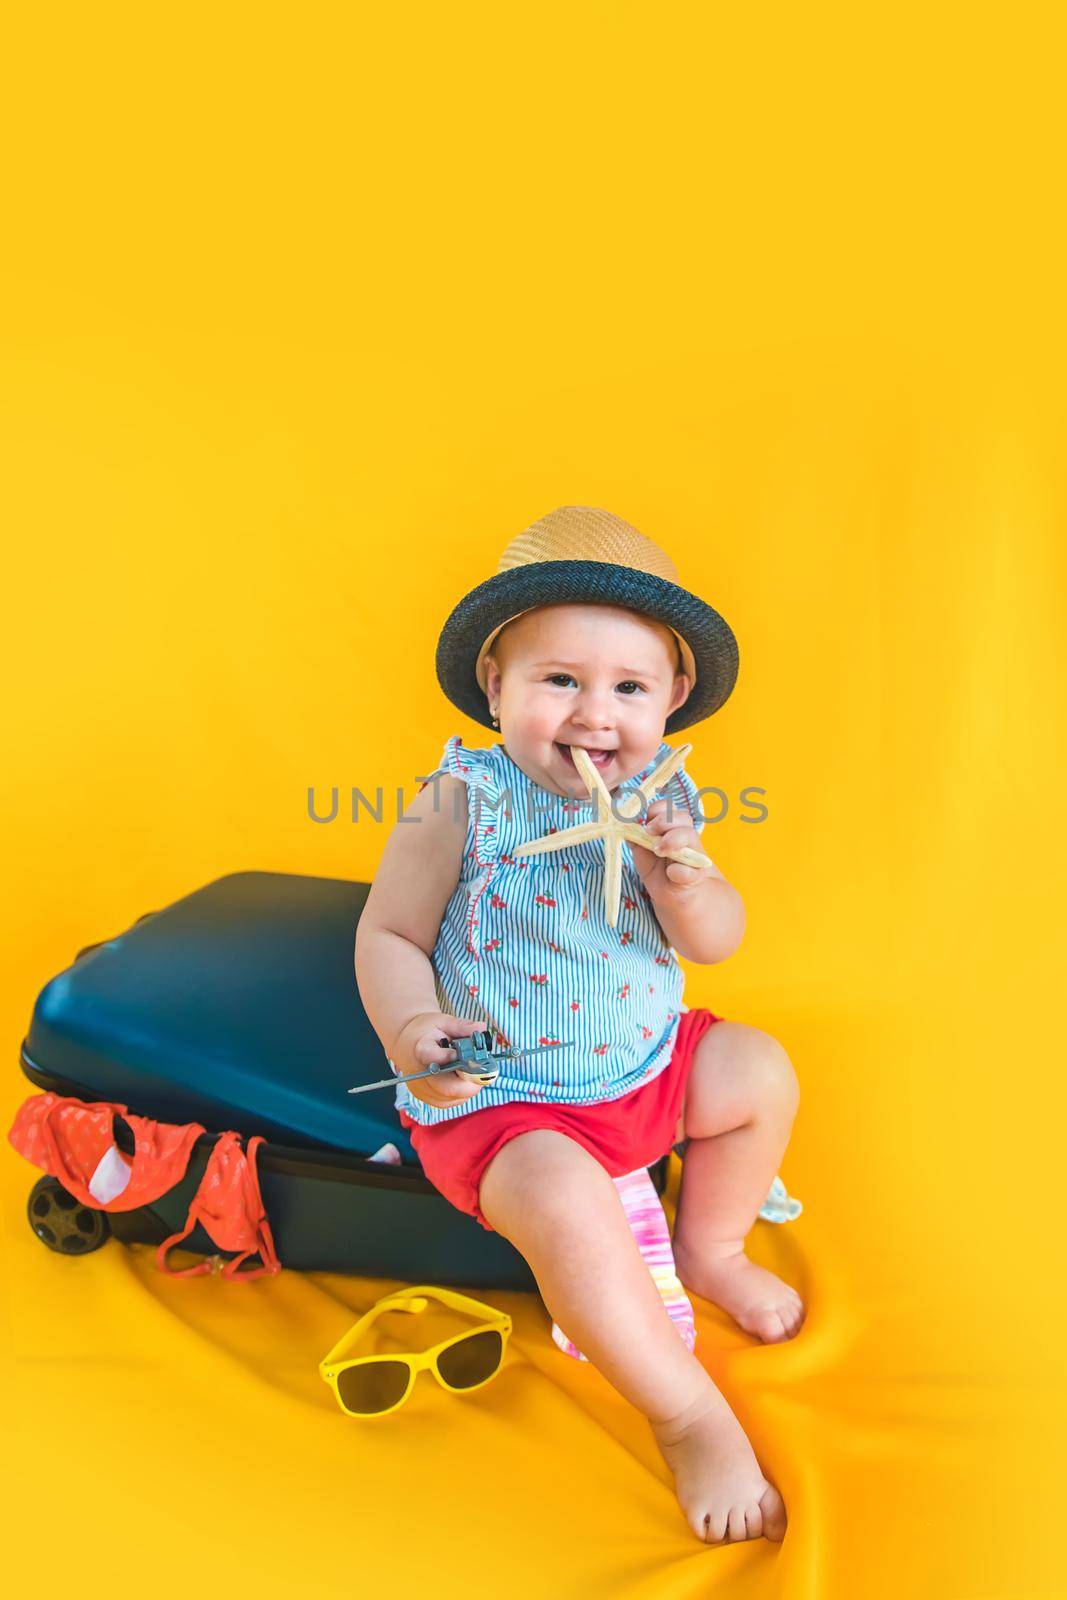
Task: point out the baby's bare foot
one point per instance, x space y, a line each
758 1301
720 1487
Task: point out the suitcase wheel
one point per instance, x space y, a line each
62 1222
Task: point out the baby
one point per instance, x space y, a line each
584 637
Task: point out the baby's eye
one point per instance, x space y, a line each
556 676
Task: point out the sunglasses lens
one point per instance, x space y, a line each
373 1386
472 1360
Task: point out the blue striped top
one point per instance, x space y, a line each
524 944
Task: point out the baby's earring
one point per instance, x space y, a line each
493 713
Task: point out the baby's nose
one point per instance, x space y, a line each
593 714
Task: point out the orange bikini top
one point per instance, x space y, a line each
74 1141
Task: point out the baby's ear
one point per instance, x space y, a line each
492 676
683 688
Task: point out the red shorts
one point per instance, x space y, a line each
633 1131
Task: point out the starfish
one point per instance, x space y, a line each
616 823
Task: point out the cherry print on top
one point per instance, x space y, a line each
525 944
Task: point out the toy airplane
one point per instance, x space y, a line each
473 1057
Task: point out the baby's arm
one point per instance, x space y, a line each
396 934
702 915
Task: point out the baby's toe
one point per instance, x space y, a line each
717 1526
774 1520
767 1323
747 1521
736 1525
792 1315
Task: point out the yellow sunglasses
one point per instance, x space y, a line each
372 1386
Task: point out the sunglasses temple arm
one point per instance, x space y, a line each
345 1343
347 1340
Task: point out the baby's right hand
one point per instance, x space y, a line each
418 1047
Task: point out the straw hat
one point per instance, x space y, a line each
583 554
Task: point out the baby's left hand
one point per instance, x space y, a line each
674 831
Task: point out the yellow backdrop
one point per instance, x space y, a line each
305 314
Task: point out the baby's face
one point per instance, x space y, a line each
598 676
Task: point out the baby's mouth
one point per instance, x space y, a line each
601 759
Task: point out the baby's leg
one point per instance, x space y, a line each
740 1102
557 1205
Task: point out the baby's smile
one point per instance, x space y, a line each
601 759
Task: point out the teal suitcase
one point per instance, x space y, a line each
237 1007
